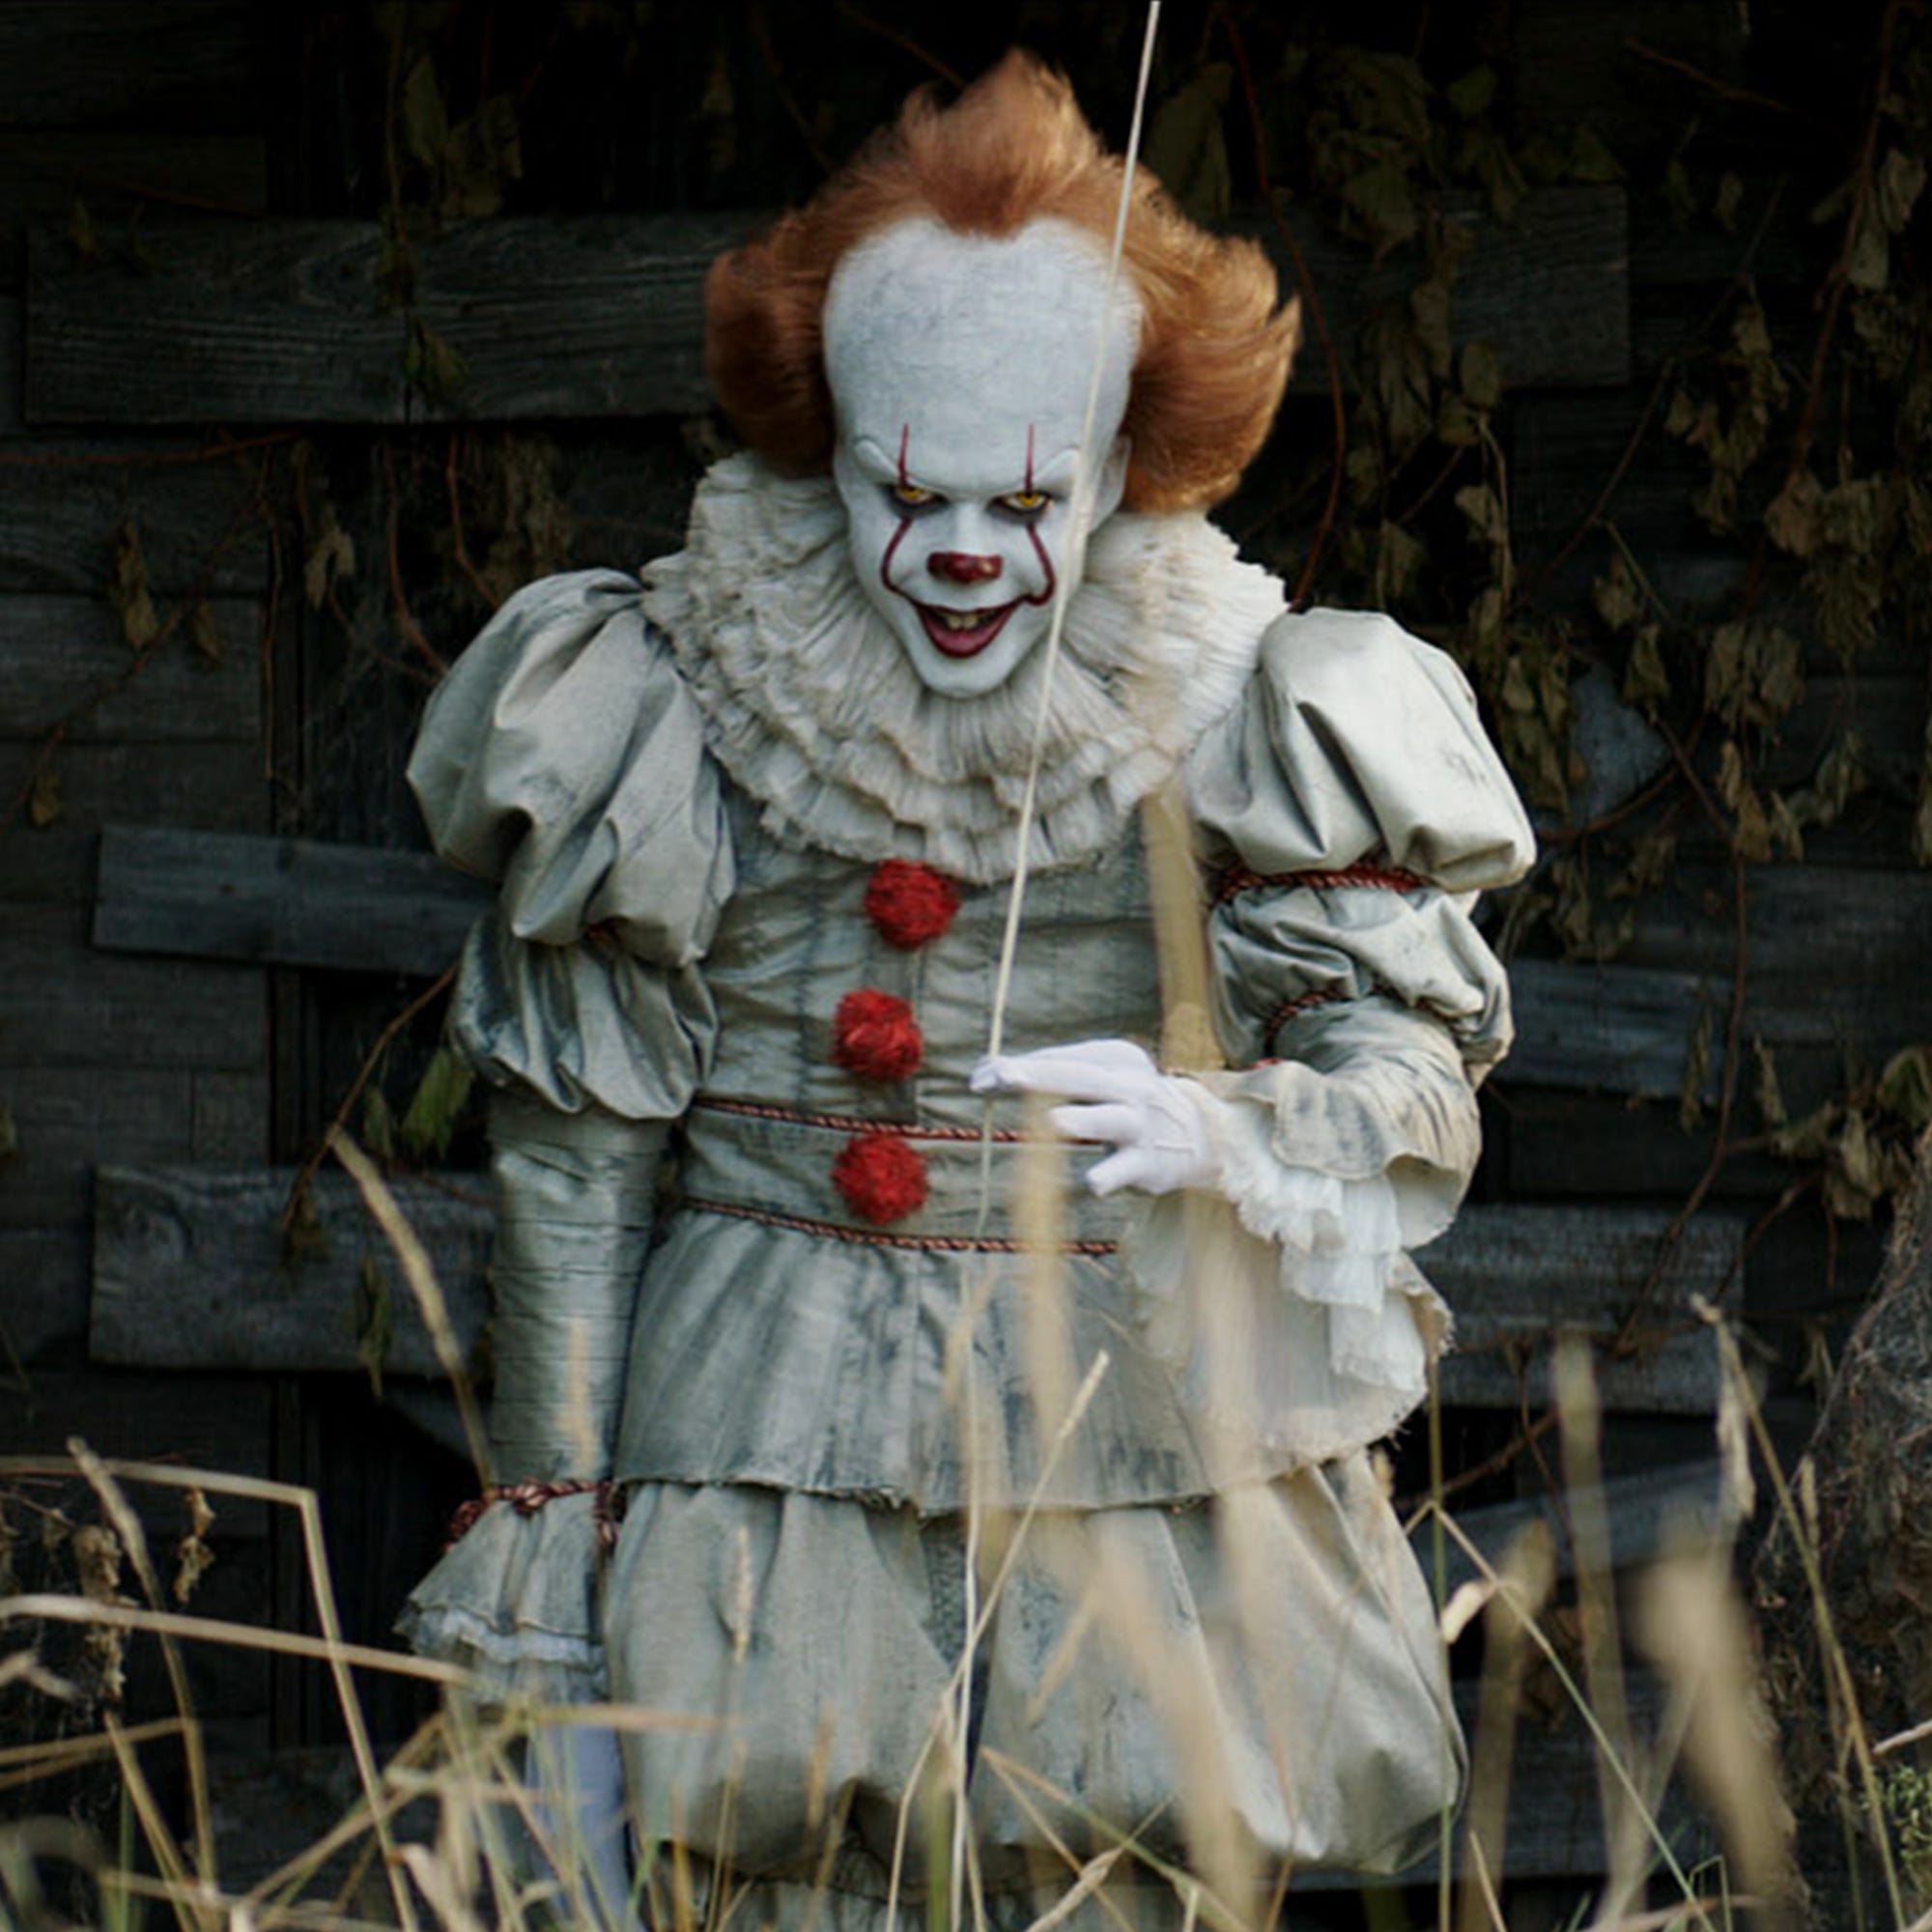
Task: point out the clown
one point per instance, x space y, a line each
792 1439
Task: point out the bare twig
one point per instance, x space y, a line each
761 32
1530 1434
399 602
461 548
905 43
140 458
1628 1337
1839 276
1723 89
371 1060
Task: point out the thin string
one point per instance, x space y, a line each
1083 470
1009 939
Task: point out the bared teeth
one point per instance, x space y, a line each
964 633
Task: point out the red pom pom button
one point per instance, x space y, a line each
882 1177
910 903
874 1036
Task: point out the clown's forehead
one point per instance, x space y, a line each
969 349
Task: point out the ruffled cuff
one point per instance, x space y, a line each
1373 1090
1339 1242
1284 1298
514 1600
1259 1360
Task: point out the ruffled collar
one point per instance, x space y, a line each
815 711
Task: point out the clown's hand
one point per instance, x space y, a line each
1152 1118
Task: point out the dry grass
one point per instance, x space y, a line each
475 1869
496 1857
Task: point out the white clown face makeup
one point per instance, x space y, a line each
959 367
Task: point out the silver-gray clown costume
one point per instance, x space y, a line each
685 787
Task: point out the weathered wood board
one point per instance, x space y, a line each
64 660
70 1006
62 505
280 320
168 1238
1513 1274
304 903
11 367
70 1117
1837 953
1548 290
603 315
1644 1513
1621 1028
100 185
191 63
294 902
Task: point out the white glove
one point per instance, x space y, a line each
1152 1118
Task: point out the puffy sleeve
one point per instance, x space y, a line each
1351 810
563 760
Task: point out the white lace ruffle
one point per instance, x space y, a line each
816 712
1284 1300
536 1663
1340 1241
514 1600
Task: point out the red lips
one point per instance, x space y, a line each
966 642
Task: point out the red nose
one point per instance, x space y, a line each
959 566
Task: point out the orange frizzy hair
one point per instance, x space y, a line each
1013 147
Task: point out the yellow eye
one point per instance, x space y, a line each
1025 502
912 495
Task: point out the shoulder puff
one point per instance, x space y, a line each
563 759
1356 741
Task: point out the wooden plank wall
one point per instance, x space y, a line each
107 112
1833 978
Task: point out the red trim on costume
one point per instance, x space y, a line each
1322 996
848 1123
529 1495
1238 879
942 1244
1327 996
